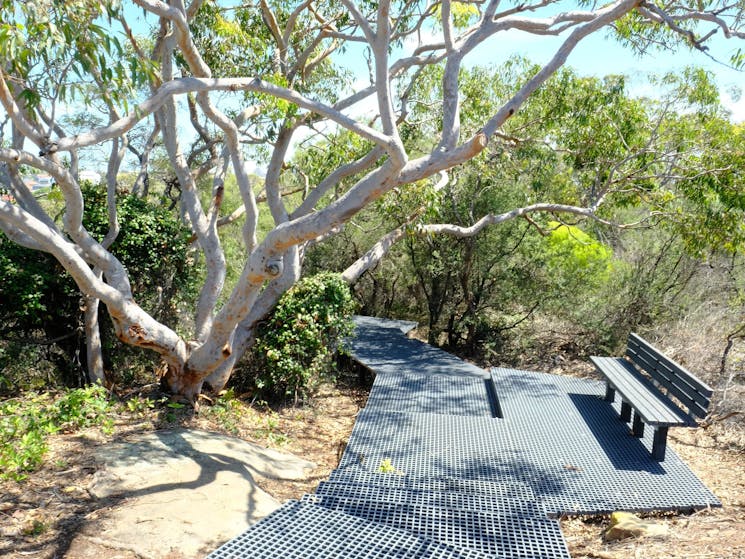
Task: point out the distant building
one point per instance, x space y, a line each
44 181
91 176
37 182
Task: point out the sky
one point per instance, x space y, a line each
596 55
599 55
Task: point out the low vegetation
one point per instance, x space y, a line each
295 348
27 421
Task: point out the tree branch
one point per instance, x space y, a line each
183 86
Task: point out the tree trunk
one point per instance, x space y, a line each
94 353
245 333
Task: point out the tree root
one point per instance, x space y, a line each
117 546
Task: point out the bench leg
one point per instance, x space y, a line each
610 393
659 443
625 412
637 428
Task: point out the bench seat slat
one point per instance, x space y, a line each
653 407
695 401
650 353
635 340
647 362
680 370
692 393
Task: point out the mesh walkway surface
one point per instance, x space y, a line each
588 461
570 448
449 460
519 531
307 531
433 393
382 347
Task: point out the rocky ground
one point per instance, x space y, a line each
62 511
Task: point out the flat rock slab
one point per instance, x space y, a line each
180 493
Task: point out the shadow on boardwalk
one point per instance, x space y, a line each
449 460
556 433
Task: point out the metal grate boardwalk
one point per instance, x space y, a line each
591 464
433 393
381 346
498 498
478 464
519 531
306 531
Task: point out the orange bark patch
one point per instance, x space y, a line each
138 336
190 378
219 196
136 332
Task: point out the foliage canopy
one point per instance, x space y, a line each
257 80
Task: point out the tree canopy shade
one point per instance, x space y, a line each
258 76
575 137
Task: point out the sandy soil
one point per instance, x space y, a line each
714 534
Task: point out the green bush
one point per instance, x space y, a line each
25 424
152 244
34 289
571 250
295 346
41 302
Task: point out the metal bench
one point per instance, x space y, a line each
661 392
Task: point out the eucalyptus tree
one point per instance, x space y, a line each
257 76
672 161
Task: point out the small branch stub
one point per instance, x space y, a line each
274 267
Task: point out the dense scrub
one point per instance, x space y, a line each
547 290
41 318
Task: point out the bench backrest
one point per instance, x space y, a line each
675 379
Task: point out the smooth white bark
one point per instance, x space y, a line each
301 42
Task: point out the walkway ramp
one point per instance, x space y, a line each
300 530
450 460
382 346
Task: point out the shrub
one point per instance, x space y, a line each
42 304
573 252
25 424
33 287
152 244
295 346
